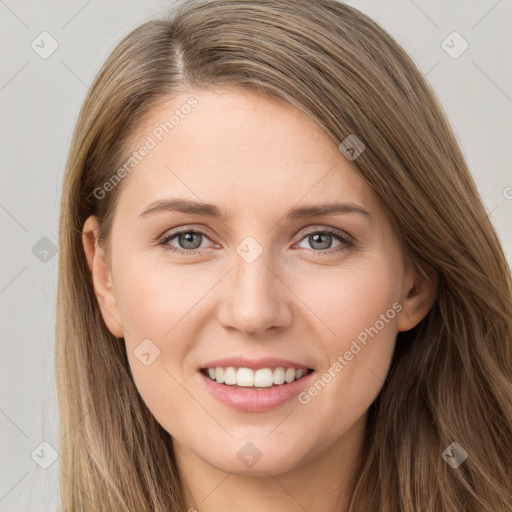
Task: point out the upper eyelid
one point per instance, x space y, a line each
330 230
172 233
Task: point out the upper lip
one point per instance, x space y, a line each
244 362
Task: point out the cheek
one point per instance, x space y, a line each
358 310
154 299
153 304
351 298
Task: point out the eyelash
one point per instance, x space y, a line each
346 242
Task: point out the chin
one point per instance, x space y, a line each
250 460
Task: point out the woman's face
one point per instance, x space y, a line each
255 281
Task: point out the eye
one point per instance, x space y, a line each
321 240
188 241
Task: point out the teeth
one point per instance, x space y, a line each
219 375
244 377
230 376
261 378
278 376
290 375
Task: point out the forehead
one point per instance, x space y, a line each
239 147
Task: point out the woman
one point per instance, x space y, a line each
278 284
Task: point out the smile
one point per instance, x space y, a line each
250 378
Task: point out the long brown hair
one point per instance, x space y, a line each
451 376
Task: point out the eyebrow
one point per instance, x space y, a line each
210 210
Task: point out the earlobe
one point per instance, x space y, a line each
101 276
419 295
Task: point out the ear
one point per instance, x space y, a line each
101 277
418 296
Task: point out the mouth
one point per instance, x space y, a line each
261 378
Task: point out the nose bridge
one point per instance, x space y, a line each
256 298
254 277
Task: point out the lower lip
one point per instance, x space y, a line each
256 400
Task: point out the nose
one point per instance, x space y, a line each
255 298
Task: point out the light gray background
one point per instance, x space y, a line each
40 100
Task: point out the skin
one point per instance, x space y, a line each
254 158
